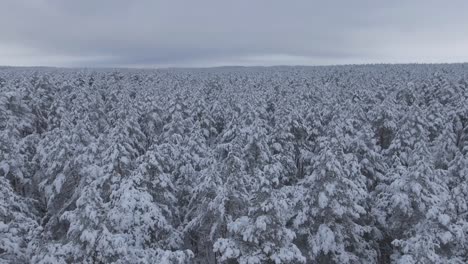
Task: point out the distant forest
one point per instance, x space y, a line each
339 164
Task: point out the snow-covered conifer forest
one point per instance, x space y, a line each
346 164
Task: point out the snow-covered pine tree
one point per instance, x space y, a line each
331 203
19 222
261 236
143 215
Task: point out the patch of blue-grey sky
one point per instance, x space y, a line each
214 33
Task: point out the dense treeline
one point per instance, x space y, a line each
349 164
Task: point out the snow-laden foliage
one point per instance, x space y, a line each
349 164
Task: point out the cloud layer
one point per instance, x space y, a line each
204 33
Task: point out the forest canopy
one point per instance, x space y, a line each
339 164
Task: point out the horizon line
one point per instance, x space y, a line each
229 66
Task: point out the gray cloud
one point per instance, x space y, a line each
210 33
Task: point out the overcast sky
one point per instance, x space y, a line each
199 33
